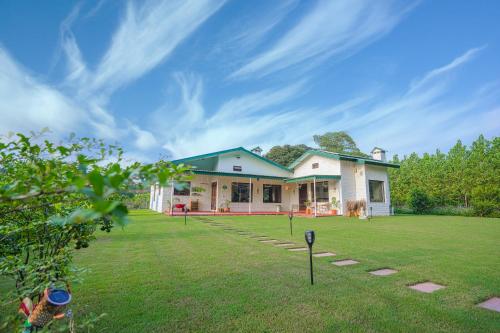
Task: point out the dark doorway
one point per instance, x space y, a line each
213 201
302 196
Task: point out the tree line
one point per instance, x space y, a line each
463 181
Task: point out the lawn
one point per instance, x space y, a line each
158 275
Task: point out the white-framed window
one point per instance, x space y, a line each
240 192
182 188
321 191
376 188
271 193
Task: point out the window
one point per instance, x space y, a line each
182 188
237 168
271 194
315 165
376 190
240 192
321 191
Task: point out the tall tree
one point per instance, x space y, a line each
338 142
464 177
286 154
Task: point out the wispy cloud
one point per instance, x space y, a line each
245 33
146 36
330 28
250 104
29 104
257 118
425 110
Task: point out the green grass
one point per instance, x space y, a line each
158 275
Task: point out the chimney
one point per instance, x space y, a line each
378 154
257 150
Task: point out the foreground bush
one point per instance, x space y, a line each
53 198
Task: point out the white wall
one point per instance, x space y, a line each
257 190
250 165
378 173
326 166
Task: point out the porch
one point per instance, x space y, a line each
239 195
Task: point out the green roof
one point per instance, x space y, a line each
205 164
311 177
229 174
344 157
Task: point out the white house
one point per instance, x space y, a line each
239 181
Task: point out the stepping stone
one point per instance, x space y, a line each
323 254
383 272
297 249
346 262
491 304
268 240
426 287
284 244
255 236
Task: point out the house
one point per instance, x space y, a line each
239 181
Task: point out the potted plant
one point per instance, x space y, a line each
334 206
308 204
226 206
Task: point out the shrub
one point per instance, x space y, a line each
419 201
486 201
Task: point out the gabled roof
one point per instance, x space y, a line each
204 157
344 157
377 148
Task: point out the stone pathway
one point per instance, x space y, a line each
426 287
346 262
284 244
383 272
297 249
491 304
324 254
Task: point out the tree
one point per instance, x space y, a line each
338 142
467 177
419 201
286 154
53 198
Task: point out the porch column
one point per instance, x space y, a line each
172 198
340 199
314 196
217 195
250 197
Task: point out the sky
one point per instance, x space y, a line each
170 79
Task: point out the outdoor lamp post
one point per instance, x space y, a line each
290 217
310 241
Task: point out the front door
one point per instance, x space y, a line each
213 201
302 196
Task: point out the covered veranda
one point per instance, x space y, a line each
305 196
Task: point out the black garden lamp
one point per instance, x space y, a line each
309 235
185 215
290 217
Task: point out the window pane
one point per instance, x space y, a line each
240 192
376 188
321 191
271 193
182 188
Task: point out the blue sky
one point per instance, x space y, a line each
184 77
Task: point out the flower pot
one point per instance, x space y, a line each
53 303
308 210
333 212
227 210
